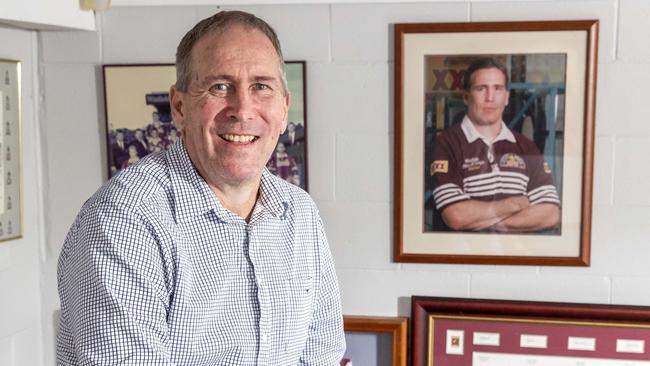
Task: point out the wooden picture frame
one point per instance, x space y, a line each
394 327
464 332
136 100
548 62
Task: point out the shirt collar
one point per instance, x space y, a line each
274 196
193 196
471 134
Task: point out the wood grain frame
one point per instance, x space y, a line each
614 318
411 242
397 327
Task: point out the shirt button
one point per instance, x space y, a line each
263 337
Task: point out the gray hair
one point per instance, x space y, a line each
215 24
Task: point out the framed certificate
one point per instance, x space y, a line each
10 158
465 332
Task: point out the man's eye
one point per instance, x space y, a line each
219 88
259 86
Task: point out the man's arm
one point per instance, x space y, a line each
476 215
326 343
534 218
113 292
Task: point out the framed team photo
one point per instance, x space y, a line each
139 120
494 127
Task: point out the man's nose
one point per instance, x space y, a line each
241 106
489 95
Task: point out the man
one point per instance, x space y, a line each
119 151
140 143
198 255
487 177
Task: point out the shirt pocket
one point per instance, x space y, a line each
299 308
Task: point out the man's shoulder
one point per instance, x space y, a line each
453 134
135 185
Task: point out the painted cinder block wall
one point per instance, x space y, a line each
348 49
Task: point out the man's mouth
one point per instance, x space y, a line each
238 138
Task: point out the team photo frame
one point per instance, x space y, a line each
549 113
139 120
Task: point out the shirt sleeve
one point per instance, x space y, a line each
326 341
540 186
446 173
113 292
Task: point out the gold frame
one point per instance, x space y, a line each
11 209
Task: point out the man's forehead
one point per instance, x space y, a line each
488 72
235 39
233 50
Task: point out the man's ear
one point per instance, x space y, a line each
177 105
507 97
465 96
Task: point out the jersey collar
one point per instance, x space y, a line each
471 134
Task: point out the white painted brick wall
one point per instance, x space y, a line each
363 33
604 10
350 123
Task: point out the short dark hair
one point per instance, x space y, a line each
483 63
218 23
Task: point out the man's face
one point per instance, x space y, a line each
235 108
487 96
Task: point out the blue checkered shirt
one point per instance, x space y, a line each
154 271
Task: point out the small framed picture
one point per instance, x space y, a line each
139 120
494 141
375 341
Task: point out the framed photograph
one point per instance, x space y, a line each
464 332
139 120
375 341
11 226
494 141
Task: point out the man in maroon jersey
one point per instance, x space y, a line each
487 177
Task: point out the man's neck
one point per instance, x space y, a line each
239 199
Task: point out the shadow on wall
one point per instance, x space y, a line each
404 306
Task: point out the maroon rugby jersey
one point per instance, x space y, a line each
464 170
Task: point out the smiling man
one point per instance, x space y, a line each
487 177
198 255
